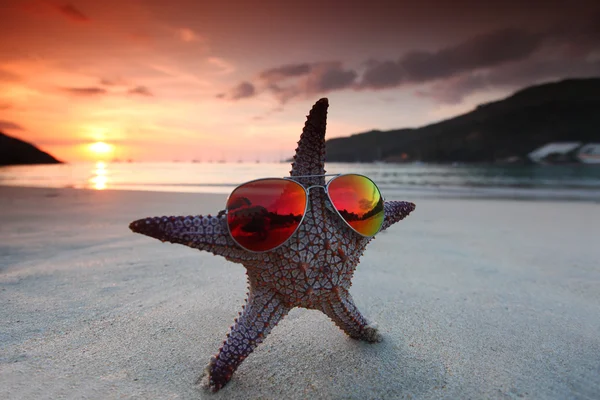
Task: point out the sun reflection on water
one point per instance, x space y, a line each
100 179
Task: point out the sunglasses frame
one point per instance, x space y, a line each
306 207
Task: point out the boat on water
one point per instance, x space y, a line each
555 153
589 153
566 153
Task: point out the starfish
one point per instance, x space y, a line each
313 269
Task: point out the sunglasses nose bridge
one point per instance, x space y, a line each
328 204
315 186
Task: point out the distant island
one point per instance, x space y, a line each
14 151
504 131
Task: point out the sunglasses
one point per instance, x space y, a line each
265 213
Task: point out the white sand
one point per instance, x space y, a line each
475 299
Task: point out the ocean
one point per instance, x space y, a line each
566 182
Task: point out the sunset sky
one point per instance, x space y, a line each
159 80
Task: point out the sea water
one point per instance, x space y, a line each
575 182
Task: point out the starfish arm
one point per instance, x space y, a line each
396 211
262 311
206 233
310 153
340 307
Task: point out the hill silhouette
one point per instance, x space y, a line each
498 131
14 151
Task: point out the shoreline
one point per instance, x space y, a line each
407 193
555 183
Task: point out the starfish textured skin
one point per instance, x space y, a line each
313 269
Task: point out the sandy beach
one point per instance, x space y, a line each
475 299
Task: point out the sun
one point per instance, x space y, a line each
101 148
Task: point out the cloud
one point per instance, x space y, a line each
140 91
454 90
514 76
242 91
94 91
70 11
60 141
322 78
10 125
284 93
113 82
8 76
285 71
224 66
314 78
305 79
326 77
86 91
187 35
482 51
294 80
507 57
566 52
381 75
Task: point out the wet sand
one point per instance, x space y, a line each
474 298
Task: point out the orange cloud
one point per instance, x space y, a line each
140 91
187 35
86 91
112 82
69 11
8 76
10 125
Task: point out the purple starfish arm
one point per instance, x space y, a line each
206 233
396 211
310 153
340 307
262 311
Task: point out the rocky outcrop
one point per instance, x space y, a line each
14 151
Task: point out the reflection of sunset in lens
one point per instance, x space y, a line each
263 214
99 180
359 202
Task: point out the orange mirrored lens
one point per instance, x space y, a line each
359 202
263 214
